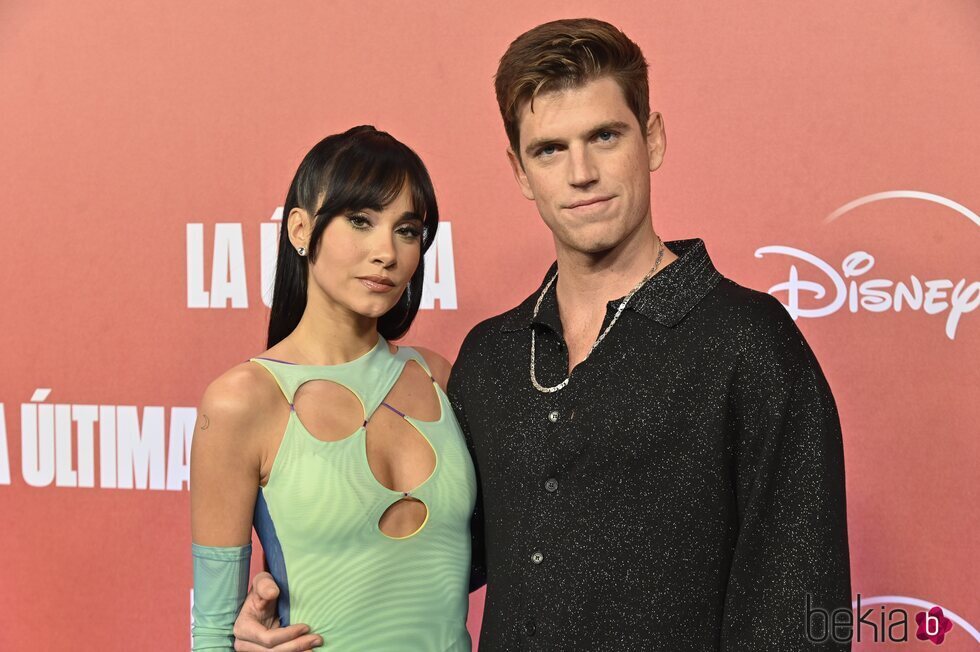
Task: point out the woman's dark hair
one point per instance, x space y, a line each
360 168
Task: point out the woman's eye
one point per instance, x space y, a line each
358 221
409 232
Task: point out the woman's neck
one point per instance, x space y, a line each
328 336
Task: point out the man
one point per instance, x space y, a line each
659 454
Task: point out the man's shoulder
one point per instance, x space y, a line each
756 325
496 327
482 348
745 309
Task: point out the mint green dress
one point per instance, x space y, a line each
318 516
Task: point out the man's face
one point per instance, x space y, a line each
586 163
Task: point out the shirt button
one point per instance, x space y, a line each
529 627
537 557
551 485
553 416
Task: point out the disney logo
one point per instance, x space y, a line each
839 288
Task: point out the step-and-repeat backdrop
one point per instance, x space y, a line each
827 153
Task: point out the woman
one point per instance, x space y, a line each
340 447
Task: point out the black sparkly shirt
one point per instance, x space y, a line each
684 491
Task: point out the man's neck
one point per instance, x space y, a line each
586 282
586 279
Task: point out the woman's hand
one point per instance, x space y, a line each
257 627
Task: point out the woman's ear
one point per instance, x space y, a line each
299 226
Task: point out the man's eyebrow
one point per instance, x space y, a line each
612 125
538 143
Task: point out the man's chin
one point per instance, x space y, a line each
596 243
590 248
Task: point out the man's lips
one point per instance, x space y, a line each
589 202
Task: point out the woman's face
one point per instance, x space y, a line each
366 259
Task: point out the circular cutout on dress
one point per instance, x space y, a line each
404 518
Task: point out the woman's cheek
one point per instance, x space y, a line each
411 261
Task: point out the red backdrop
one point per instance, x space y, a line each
146 147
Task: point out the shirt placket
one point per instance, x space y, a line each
554 425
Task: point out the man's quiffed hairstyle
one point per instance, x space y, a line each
566 54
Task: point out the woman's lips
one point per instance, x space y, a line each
376 283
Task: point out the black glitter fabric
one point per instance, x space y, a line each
685 491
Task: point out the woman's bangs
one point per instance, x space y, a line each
370 178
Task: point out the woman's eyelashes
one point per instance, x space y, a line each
362 222
359 221
409 231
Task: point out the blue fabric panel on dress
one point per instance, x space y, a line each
266 530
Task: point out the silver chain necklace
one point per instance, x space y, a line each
602 336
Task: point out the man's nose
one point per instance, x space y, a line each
582 171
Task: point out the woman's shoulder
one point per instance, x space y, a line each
438 365
237 415
241 395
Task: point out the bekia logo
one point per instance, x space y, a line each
881 625
933 625
852 286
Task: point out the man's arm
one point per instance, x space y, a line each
791 556
457 393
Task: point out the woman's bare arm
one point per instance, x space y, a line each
227 454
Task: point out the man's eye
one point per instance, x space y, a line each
547 150
606 136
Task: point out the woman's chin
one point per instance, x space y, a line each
373 310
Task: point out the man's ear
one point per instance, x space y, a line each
299 226
519 174
656 140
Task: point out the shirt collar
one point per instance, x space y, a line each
666 298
